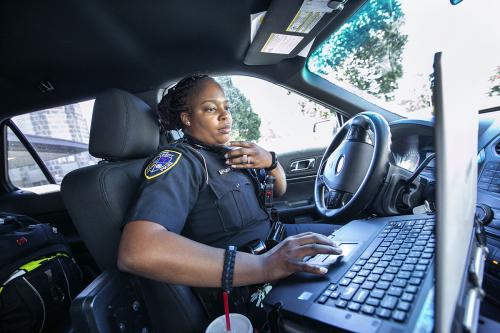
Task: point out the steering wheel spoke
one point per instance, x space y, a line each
321 183
335 199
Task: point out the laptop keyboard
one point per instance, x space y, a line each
385 279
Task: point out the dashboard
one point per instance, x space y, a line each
488 193
412 142
410 150
488 185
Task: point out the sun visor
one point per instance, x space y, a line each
287 28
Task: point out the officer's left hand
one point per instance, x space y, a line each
249 155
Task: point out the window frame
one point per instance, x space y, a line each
341 116
29 147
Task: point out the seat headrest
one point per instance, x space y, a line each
123 127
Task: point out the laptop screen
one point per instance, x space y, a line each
456 130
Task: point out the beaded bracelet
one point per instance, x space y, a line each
228 270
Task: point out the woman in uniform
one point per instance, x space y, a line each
200 195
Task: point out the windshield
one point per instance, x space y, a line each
384 52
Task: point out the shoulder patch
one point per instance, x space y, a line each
164 161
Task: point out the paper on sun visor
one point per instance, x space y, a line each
255 23
281 44
309 14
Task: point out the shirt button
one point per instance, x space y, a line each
237 185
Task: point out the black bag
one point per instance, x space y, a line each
38 276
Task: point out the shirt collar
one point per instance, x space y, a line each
219 149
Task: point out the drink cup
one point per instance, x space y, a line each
239 324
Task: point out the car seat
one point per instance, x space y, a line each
124 132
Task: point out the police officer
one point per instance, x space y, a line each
200 195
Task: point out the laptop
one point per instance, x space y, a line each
402 273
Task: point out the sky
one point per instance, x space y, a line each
468 32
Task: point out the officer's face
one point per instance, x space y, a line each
210 120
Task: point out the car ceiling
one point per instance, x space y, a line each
83 47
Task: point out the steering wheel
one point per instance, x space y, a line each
353 167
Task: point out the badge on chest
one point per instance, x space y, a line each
224 171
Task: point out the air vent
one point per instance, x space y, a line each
497 148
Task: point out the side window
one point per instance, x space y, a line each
60 138
24 172
277 118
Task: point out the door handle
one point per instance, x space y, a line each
302 165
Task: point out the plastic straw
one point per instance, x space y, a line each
226 310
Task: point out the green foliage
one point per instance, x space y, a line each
495 81
367 50
246 123
314 110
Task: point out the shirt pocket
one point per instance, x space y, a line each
236 204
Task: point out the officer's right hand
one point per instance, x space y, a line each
287 257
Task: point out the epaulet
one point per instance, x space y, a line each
196 152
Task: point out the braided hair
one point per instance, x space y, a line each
175 102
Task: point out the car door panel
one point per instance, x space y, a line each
297 204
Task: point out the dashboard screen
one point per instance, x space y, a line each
409 151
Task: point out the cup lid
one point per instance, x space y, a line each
239 324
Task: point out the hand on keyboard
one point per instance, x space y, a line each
287 257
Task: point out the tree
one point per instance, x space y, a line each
367 50
313 109
495 81
246 123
